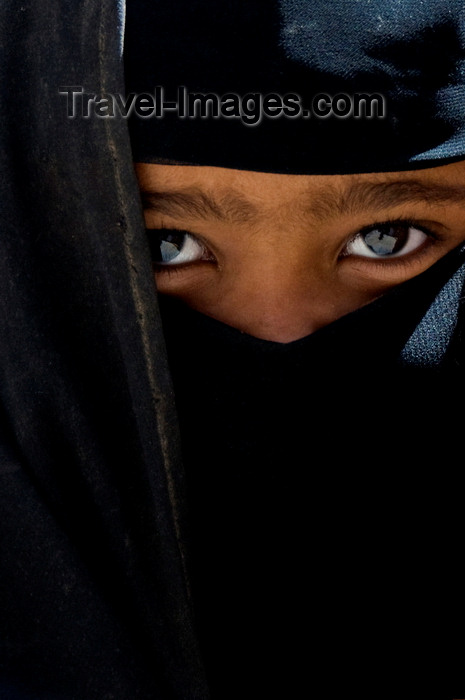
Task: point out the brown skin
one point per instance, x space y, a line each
290 258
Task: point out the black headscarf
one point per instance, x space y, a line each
98 568
410 53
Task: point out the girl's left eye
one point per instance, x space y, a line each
172 247
388 240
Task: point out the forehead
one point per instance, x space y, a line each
173 176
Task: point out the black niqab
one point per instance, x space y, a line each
305 462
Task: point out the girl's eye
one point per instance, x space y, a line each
170 247
386 241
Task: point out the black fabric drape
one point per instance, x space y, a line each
94 600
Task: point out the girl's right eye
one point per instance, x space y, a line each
171 247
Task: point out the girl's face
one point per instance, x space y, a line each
279 256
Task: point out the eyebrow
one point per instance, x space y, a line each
360 197
356 198
228 206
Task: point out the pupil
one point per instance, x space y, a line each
165 246
386 240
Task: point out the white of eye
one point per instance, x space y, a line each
171 247
386 241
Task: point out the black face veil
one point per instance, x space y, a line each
97 579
